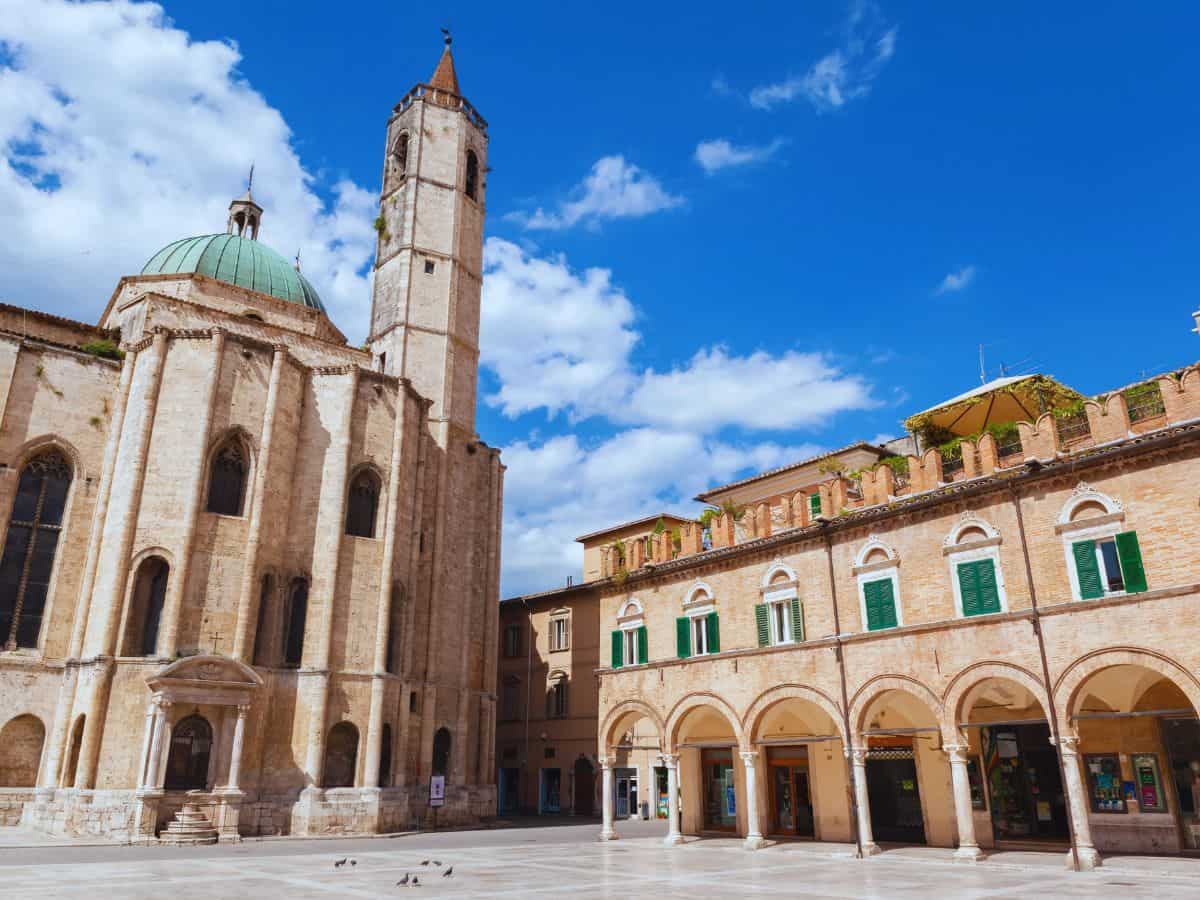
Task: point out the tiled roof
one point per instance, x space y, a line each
642 521
859 445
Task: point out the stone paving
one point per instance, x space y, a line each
552 861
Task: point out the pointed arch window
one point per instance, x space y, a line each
400 154
146 606
297 614
227 480
472 180
362 504
441 752
30 548
262 648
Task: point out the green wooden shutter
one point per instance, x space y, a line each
989 592
814 504
968 587
1130 555
643 645
1088 570
797 621
618 649
683 637
880 603
713 628
761 619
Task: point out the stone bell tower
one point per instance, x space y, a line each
429 259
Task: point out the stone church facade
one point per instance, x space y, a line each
246 565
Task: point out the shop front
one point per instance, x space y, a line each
1024 782
1181 741
791 813
720 795
894 792
626 786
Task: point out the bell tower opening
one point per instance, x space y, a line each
244 214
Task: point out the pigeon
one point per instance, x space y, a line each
448 872
424 862
354 862
403 881
437 862
338 863
416 881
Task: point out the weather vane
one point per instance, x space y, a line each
250 180
446 34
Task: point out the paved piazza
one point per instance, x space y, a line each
550 861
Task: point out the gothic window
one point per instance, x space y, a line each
361 505
227 480
29 550
146 606
187 761
297 612
385 757
400 155
341 755
262 649
472 174
441 752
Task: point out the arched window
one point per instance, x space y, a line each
385 757
227 480
297 613
341 755
21 742
146 606
262 649
441 752
187 761
472 183
28 560
68 779
400 154
361 504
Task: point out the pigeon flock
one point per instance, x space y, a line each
410 879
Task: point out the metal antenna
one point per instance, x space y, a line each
982 371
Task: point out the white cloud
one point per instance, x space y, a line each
563 341
720 154
957 280
119 134
613 189
844 74
561 488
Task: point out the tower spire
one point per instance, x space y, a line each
444 77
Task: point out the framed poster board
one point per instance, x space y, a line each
1148 783
437 791
975 780
1104 782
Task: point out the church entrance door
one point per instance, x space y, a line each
187 763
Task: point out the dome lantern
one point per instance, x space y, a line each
244 214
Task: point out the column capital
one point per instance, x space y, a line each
161 702
1068 744
606 762
957 753
857 755
670 760
243 710
749 758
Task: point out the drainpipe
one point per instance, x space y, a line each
841 661
528 685
1052 710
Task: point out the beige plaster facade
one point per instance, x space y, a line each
1052 715
304 660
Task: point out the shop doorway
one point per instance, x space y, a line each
720 795
894 794
1181 740
791 794
551 792
1025 783
510 793
583 787
627 793
661 794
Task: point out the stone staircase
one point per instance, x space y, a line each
189 828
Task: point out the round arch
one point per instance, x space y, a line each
778 567
966 522
1067 690
873 543
694 592
694 701
1083 495
861 702
619 714
961 687
768 699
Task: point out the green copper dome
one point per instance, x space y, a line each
235 260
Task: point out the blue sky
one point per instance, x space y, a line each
716 241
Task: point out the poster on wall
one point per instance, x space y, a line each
1104 782
1147 783
437 791
730 801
